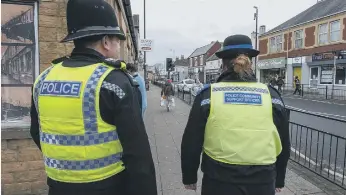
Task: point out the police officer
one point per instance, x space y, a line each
242 128
85 116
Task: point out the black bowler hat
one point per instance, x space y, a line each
235 45
91 17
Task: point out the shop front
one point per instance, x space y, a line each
271 68
329 68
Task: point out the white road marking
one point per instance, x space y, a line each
320 101
319 113
339 175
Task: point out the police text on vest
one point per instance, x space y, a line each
243 98
61 88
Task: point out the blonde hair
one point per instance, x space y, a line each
242 65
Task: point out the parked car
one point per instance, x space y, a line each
185 85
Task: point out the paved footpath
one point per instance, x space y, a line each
165 130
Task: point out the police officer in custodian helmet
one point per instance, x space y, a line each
242 128
86 116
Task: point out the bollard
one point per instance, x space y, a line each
326 92
190 95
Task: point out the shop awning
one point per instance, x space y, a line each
326 62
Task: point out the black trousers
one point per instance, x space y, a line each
213 187
116 185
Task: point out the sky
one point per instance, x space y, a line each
178 27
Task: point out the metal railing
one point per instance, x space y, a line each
319 91
319 151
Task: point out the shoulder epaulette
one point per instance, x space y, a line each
117 64
205 87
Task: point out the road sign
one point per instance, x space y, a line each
146 45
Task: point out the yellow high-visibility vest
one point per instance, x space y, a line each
77 145
240 128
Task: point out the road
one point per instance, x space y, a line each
310 144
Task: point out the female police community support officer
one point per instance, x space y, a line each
241 126
86 117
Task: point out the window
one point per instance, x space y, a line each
340 75
276 44
201 60
335 31
314 73
323 34
19 61
298 39
326 75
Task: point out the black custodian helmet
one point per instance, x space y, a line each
91 17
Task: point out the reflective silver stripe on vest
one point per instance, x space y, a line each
89 96
79 140
83 165
253 89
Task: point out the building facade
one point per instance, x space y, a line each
212 69
30 39
181 69
197 60
310 46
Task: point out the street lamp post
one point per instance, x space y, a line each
145 53
256 37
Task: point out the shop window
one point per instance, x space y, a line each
335 31
276 44
314 73
340 75
298 39
323 34
326 75
19 61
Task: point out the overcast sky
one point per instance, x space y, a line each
184 25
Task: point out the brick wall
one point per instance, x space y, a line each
263 46
310 36
52 29
22 168
344 32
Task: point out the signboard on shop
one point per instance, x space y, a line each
272 63
146 45
329 56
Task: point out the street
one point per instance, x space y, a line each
165 131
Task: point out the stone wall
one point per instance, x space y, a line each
22 169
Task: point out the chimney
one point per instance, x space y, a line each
262 29
136 20
182 57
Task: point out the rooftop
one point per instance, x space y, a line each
181 62
319 10
214 57
202 50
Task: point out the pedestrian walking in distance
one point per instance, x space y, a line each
86 116
240 126
297 85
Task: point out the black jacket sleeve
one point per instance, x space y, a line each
127 116
193 138
34 127
281 121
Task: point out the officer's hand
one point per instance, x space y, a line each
191 187
278 190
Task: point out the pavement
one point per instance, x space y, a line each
165 130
